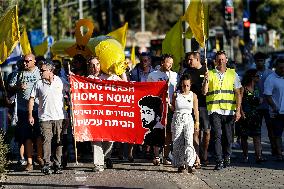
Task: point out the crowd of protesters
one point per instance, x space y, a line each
203 106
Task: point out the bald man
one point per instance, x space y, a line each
22 84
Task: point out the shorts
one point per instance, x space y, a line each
24 130
204 119
156 137
278 125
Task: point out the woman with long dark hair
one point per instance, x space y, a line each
251 121
183 126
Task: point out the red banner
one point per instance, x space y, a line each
105 110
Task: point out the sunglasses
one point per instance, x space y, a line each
42 70
27 61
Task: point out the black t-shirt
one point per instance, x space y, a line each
197 76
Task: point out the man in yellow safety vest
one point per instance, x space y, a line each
222 89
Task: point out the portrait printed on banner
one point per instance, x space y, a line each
151 108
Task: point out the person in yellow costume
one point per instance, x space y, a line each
222 87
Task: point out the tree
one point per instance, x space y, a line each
271 14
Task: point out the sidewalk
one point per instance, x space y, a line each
269 174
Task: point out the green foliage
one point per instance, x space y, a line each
160 15
3 153
271 13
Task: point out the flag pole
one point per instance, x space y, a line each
72 118
3 85
204 37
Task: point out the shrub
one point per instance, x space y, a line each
3 153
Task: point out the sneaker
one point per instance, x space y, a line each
156 161
29 167
98 168
227 162
219 166
109 163
40 162
46 170
167 161
57 170
22 162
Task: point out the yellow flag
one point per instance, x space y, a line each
120 34
41 49
132 56
25 44
9 33
173 44
197 17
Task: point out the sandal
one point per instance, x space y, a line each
191 169
181 169
197 165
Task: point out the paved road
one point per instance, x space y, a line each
144 175
124 175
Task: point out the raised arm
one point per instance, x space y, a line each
205 83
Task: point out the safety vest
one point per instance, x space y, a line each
221 95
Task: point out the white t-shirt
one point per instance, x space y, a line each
274 86
158 75
51 98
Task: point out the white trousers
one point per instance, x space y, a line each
182 136
102 150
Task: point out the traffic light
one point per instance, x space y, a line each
229 13
246 26
156 44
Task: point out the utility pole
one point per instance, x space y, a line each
81 15
229 19
43 18
142 15
56 13
109 15
48 18
187 42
